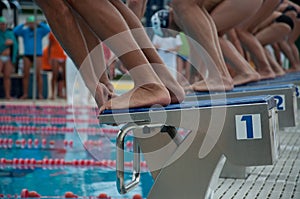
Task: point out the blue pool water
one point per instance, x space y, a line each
56 180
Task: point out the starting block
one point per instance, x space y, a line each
241 130
286 97
285 94
286 79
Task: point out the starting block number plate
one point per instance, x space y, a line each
248 127
280 101
297 91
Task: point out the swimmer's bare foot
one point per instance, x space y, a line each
266 72
293 69
210 85
266 75
144 96
245 78
176 91
277 68
102 94
279 72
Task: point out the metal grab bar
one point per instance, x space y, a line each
120 143
122 187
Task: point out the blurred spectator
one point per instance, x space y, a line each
45 60
166 41
183 64
57 60
26 31
7 43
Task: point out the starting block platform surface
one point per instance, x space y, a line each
286 79
285 94
219 130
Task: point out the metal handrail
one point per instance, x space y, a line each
122 187
120 143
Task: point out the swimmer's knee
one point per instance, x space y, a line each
285 19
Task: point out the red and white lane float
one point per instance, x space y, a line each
54 130
50 163
25 193
36 143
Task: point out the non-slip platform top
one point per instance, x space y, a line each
201 104
288 78
249 89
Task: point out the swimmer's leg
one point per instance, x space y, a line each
256 50
64 22
142 39
196 23
244 72
148 90
225 20
138 7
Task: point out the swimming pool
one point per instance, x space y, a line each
57 149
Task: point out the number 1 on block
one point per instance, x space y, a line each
248 127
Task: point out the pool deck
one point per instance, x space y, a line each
281 180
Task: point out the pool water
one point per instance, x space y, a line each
52 180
